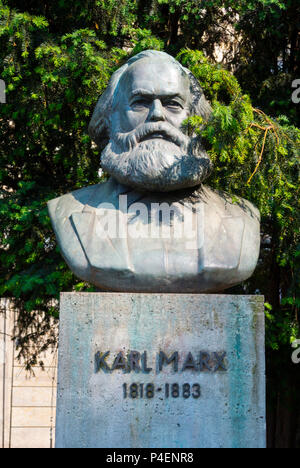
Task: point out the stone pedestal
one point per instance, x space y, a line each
161 370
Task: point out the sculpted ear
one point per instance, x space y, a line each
200 105
99 126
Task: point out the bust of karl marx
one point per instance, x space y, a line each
153 226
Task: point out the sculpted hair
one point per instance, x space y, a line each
100 122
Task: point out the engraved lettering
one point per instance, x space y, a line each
204 359
100 361
146 369
220 361
163 359
119 362
189 363
133 361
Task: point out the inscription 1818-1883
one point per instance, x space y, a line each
177 362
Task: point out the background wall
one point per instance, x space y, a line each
27 399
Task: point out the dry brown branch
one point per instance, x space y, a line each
271 127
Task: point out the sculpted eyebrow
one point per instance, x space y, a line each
146 93
142 92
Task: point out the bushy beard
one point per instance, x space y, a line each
156 157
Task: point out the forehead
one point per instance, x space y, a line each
156 76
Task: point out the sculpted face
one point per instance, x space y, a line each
148 149
151 91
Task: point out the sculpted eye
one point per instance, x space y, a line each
139 103
173 104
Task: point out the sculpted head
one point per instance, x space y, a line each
142 111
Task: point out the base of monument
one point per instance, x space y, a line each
161 371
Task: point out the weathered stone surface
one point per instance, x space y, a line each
91 408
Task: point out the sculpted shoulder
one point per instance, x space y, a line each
61 210
225 205
72 202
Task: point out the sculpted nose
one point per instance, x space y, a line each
156 111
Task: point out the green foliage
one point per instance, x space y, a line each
107 17
143 39
56 59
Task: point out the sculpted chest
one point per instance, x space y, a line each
147 246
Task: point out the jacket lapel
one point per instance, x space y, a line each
225 249
103 248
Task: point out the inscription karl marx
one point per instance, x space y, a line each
178 362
